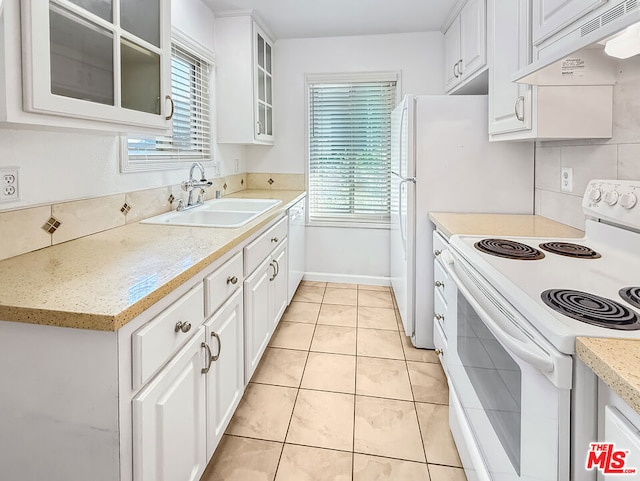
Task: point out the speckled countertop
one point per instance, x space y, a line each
104 280
501 225
616 362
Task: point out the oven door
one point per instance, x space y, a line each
510 389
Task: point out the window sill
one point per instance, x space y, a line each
350 225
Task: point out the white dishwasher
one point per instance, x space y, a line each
297 244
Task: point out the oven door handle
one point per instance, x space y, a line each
529 352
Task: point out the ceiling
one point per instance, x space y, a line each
329 18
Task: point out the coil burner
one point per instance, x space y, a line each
595 310
570 250
631 295
509 249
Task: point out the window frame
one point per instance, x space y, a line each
192 47
345 77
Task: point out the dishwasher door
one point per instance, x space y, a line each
297 244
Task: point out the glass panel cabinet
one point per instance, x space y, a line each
244 58
100 60
264 126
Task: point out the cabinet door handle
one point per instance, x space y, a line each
439 352
275 239
173 107
232 280
437 252
455 66
182 326
440 317
519 116
277 268
209 358
459 64
259 125
275 272
215 335
439 284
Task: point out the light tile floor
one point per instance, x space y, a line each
341 395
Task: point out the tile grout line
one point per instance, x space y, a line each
295 401
355 391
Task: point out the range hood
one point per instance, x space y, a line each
577 56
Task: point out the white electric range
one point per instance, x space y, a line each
521 406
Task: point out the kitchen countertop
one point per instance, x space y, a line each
104 280
501 225
616 362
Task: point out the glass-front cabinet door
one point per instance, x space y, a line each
263 76
105 60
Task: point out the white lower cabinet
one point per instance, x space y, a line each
265 299
225 379
280 286
169 423
152 400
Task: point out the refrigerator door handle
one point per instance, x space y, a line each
402 236
404 179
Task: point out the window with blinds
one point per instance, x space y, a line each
350 150
191 137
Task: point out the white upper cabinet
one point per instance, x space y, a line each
244 57
465 45
550 16
509 51
98 60
520 111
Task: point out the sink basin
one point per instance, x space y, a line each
217 213
241 205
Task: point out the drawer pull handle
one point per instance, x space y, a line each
439 352
209 358
437 252
232 280
275 272
182 326
440 317
439 284
217 338
275 239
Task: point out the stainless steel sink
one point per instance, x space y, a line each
217 213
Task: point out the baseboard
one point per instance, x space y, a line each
346 279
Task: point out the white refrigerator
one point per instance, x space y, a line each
442 161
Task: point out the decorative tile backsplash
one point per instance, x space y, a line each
276 181
34 228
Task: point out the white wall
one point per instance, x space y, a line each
60 166
616 158
341 253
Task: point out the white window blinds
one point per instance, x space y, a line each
191 137
349 150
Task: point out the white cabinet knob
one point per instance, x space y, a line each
628 200
611 197
595 194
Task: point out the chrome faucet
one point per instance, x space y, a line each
193 184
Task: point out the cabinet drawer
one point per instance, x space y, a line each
441 279
260 248
440 342
219 286
440 312
156 341
439 243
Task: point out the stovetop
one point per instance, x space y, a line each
522 283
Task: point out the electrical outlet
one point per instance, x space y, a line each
9 184
566 179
